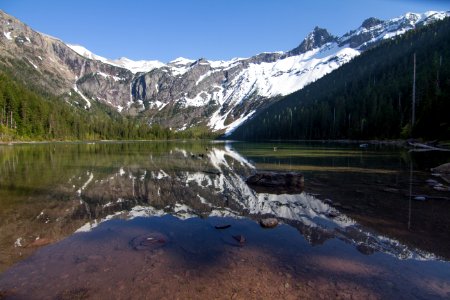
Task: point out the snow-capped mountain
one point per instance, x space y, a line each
141 66
185 92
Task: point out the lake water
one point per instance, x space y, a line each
138 220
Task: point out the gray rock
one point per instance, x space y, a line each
317 38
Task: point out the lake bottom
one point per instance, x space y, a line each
169 258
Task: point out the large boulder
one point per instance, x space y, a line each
277 183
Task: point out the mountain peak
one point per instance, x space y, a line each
315 39
371 22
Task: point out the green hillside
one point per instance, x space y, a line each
28 113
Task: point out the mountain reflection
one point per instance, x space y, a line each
213 184
48 192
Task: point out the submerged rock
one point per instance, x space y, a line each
222 226
268 222
277 183
149 241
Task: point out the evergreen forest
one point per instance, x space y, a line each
27 113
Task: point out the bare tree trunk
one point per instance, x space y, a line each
413 118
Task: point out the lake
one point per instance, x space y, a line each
177 220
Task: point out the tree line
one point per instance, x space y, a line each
26 114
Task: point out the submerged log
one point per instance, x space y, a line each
277 183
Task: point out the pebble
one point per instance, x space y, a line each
239 238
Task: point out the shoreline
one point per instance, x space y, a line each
10 143
399 143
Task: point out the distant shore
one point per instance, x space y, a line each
361 143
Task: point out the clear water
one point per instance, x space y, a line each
68 213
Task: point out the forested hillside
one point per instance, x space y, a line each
371 96
28 114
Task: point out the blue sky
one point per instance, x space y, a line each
213 29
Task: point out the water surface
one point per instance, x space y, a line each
68 213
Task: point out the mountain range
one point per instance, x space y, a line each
184 93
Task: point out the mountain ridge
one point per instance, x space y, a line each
184 92
370 97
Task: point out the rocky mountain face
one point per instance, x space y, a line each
57 68
184 92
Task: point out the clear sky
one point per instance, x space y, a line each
213 29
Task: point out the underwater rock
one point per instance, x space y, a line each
240 238
149 241
222 226
277 183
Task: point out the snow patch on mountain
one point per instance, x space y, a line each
86 53
137 66
8 35
123 62
88 103
115 78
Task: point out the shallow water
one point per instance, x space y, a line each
354 231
